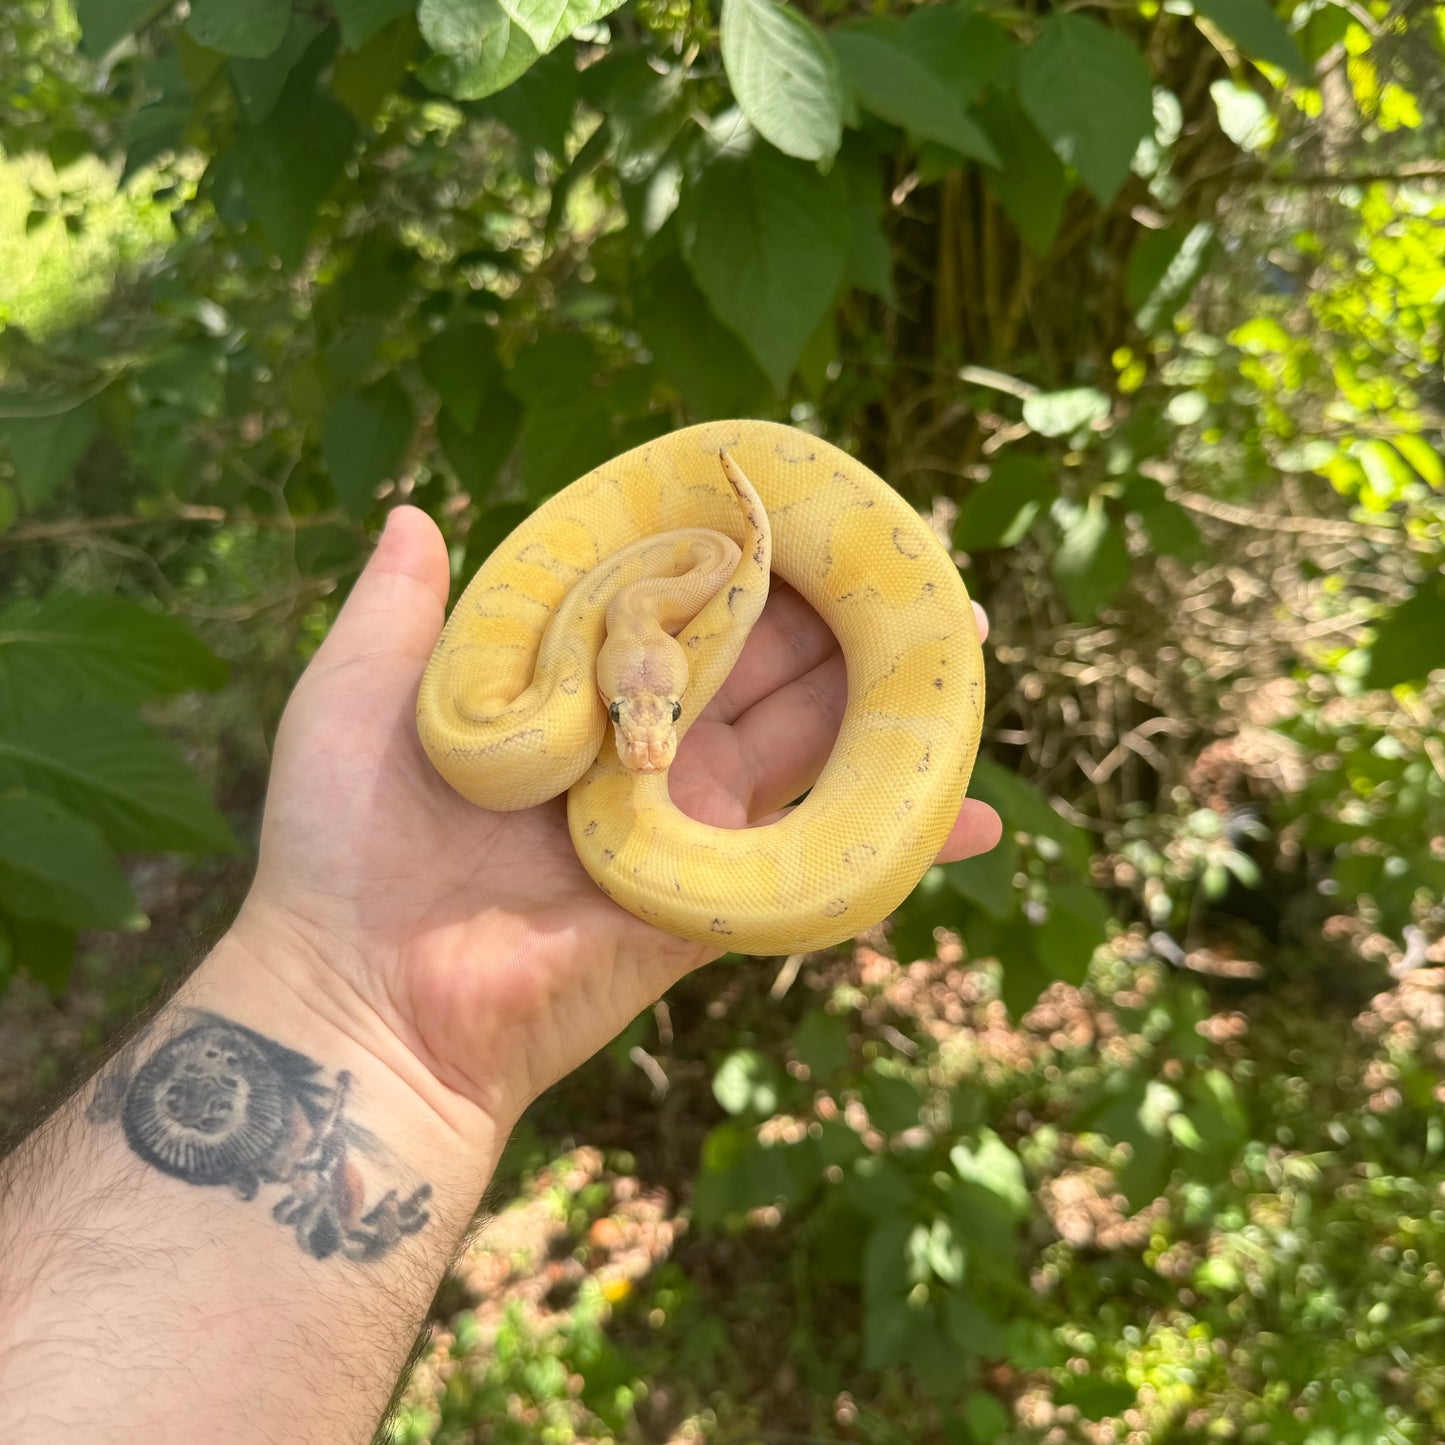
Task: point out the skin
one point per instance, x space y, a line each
404 889
407 973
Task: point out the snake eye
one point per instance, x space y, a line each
614 711
676 711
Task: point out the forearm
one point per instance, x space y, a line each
233 1232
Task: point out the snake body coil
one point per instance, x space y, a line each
510 715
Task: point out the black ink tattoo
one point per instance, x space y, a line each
222 1105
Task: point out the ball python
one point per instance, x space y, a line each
588 643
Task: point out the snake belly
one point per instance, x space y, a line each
509 713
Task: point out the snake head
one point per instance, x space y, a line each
646 730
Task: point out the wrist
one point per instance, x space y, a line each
267 975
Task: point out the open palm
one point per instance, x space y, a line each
476 936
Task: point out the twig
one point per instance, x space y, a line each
651 1068
1273 522
61 408
786 975
75 527
1408 171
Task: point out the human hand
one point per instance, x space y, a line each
474 938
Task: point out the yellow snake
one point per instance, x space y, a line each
675 540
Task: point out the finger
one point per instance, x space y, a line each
976 829
399 602
788 641
785 739
981 617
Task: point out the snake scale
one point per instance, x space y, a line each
660 560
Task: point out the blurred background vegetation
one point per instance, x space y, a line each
1132 1130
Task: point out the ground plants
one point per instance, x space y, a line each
1139 303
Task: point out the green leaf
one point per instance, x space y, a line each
892 83
945 1254
258 83
1389 478
1172 531
285 182
562 441
1180 277
1257 30
106 649
547 23
553 371
1023 976
738 1173
480 50
893 1101
253 29
44 949
105 22
105 764
1075 927
645 111
1135 1110
1325 28
477 456
1408 641
985 1416
692 350
1088 90
54 865
821 1043
1092 562
505 58
1000 511
1095 1398
988 879
1150 257
1025 810
153 130
967 51
933 904
767 238
1219 1124
1062 413
870 257
746 1082
539 108
993 1166
491 528
362 79
461 364
784 76
45 450
1244 115
1030 181
1422 456
360 20
364 438
879 1187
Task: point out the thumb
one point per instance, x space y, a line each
399 602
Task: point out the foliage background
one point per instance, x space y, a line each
1130 1130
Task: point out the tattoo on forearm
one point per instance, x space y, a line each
218 1104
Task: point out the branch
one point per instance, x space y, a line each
1409 171
70 528
1276 522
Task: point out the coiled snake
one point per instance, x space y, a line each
642 580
